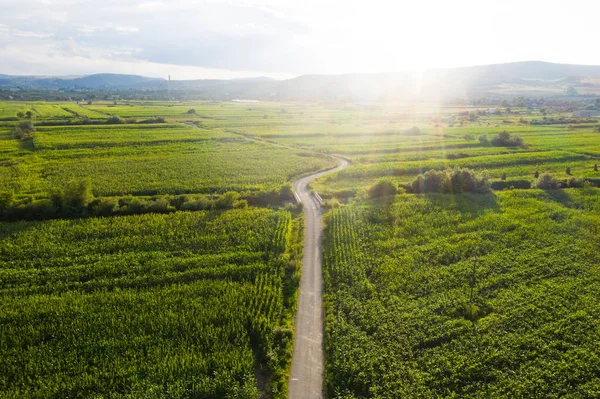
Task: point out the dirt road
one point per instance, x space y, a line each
306 378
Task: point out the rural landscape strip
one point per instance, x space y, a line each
306 377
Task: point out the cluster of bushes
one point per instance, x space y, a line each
76 199
135 205
452 181
24 130
383 188
73 197
546 181
502 139
113 120
562 121
28 114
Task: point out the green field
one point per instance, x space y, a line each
139 159
181 305
426 295
398 281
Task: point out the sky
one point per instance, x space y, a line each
199 39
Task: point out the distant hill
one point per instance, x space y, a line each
532 78
97 81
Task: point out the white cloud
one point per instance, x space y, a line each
271 37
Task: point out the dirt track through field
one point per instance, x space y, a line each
306 377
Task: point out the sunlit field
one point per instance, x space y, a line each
470 295
154 248
190 304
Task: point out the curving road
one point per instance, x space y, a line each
306 377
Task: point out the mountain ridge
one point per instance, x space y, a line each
536 77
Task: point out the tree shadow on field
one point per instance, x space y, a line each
562 197
465 203
27 145
13 228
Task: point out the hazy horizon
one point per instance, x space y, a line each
222 39
266 76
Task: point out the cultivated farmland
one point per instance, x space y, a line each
161 249
190 304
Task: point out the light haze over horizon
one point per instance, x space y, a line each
224 39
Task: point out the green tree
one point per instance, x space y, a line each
545 182
227 200
75 195
383 188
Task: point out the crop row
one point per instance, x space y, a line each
179 305
464 296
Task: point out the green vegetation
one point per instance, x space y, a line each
452 181
148 159
24 130
503 139
456 265
383 188
470 295
191 304
545 182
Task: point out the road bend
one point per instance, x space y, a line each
306 377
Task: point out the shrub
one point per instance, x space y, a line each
159 119
191 111
469 137
114 120
160 205
75 195
454 181
199 204
575 182
383 188
503 139
132 206
40 209
24 130
227 200
294 207
240 204
105 207
483 139
503 177
331 203
545 182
